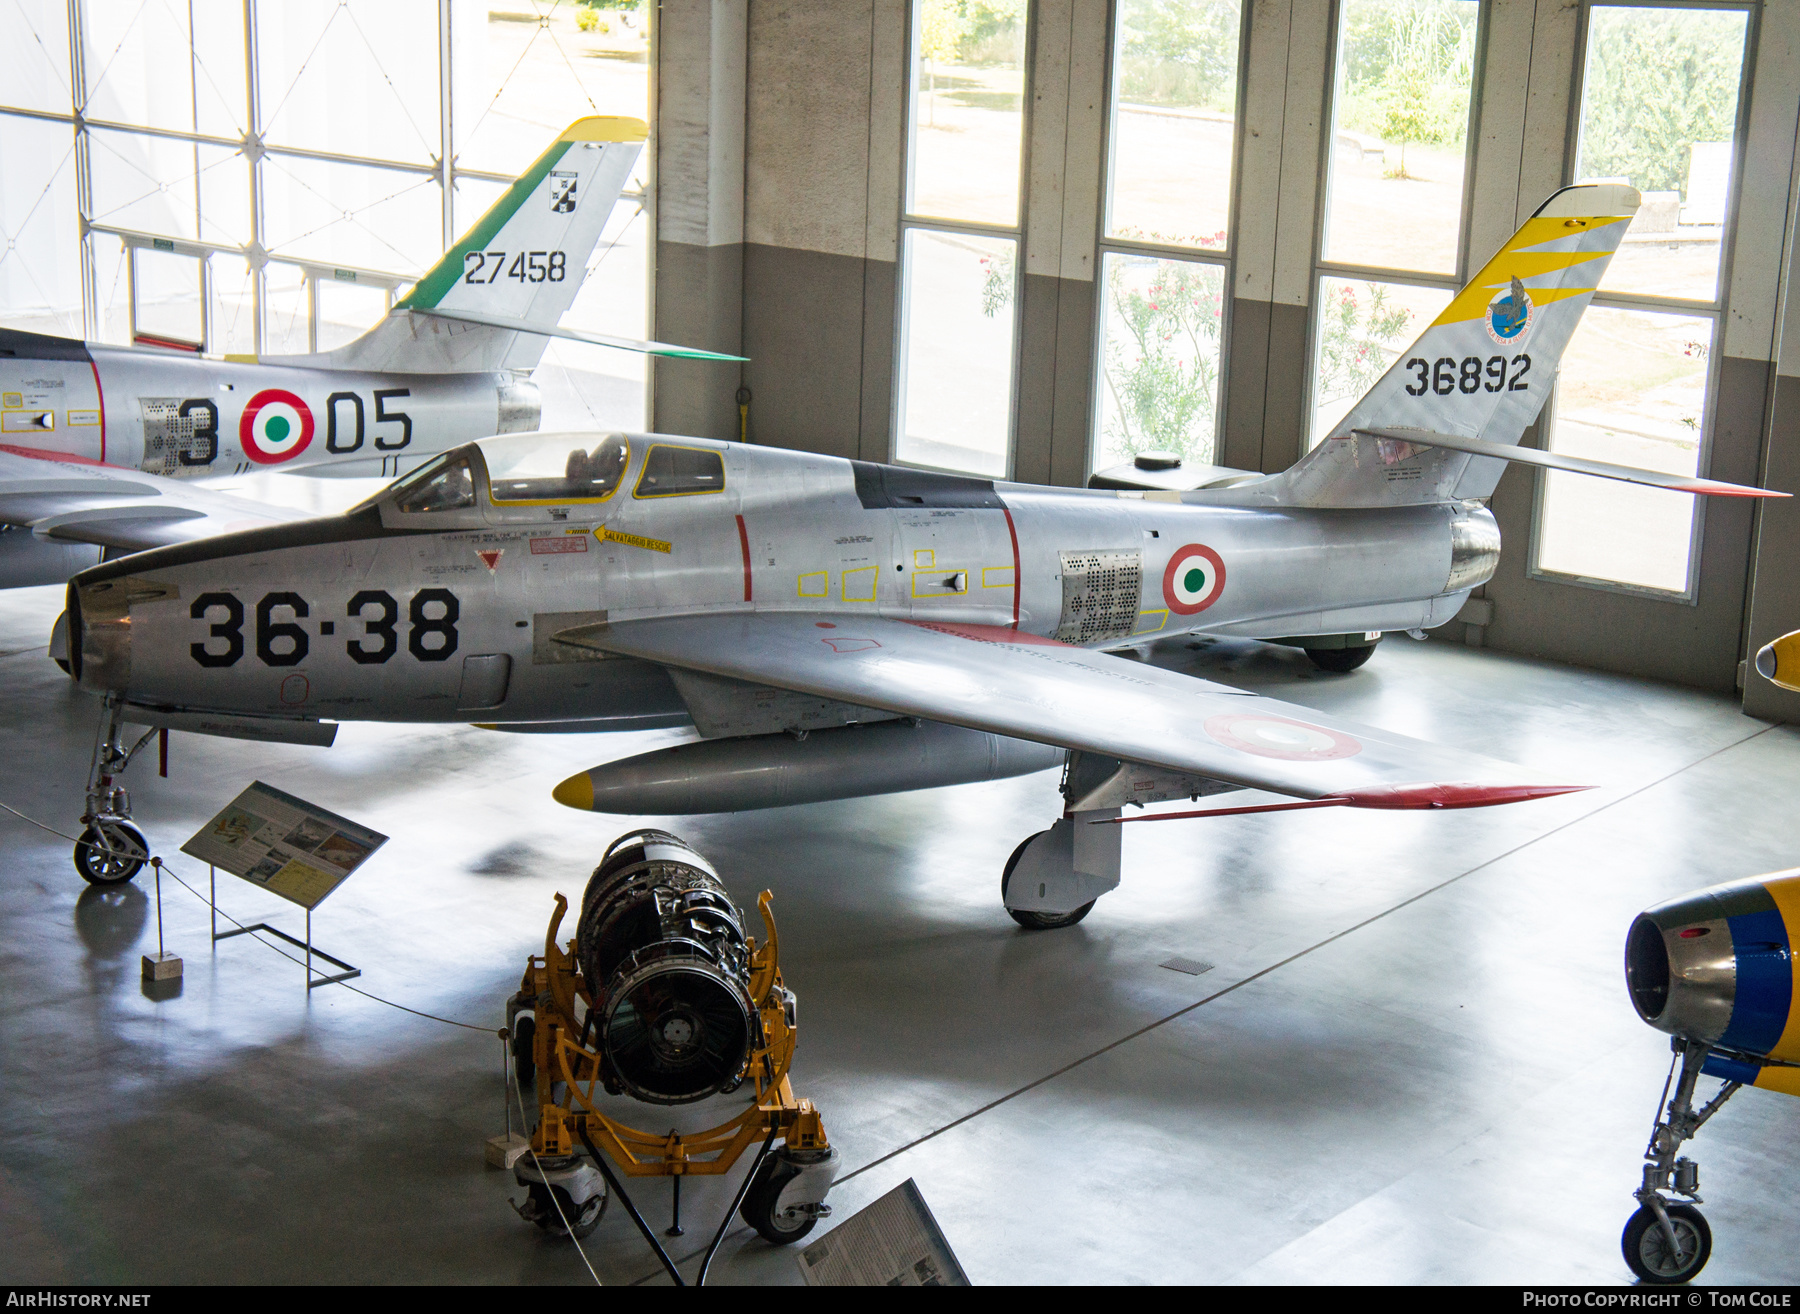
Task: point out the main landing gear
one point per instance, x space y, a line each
1667 1241
1054 878
111 850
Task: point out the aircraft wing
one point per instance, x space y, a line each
74 501
1005 682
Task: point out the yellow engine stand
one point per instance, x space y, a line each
551 986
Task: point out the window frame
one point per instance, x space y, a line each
1322 269
1224 257
1714 310
907 221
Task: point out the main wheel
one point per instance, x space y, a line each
759 1204
1340 660
581 1222
1647 1251
1037 921
524 1056
110 853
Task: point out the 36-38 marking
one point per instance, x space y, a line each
281 640
1446 375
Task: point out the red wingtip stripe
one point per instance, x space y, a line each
1458 795
1733 490
1391 797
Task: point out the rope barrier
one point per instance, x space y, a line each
416 1012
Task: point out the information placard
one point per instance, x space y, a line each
894 1242
286 845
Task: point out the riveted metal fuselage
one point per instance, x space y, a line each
455 615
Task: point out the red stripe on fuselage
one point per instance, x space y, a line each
100 398
1014 534
744 543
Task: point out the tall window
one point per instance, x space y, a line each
1660 103
1391 251
1163 259
254 176
959 258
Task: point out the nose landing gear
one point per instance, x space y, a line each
1667 1241
111 850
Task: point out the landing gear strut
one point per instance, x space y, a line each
1054 878
1667 1241
111 850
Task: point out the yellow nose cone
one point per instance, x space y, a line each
576 792
1779 663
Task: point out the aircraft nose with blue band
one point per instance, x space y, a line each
1719 966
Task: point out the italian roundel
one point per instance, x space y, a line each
1280 737
276 427
1194 579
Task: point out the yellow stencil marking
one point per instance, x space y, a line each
606 535
1160 616
816 584
996 577
925 558
859 584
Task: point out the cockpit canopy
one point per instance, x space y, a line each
557 469
551 470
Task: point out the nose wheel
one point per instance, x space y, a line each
111 850
1654 1257
1667 1240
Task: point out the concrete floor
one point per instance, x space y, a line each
1413 1062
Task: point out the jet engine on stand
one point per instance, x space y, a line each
663 997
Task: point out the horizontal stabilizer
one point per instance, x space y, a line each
578 335
1571 464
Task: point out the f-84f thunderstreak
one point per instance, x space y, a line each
835 628
100 446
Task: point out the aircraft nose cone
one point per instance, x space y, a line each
1779 662
576 792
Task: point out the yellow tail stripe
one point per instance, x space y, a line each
1785 890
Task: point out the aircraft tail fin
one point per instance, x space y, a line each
1482 370
523 261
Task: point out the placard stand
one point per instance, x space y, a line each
291 848
212 891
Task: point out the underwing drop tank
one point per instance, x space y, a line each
662 946
772 771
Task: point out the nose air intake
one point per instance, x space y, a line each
1718 966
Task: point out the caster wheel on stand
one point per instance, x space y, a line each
758 1208
1647 1251
548 1213
110 853
1038 921
523 1038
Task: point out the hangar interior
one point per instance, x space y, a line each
1010 239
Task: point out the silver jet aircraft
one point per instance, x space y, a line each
93 437
834 628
